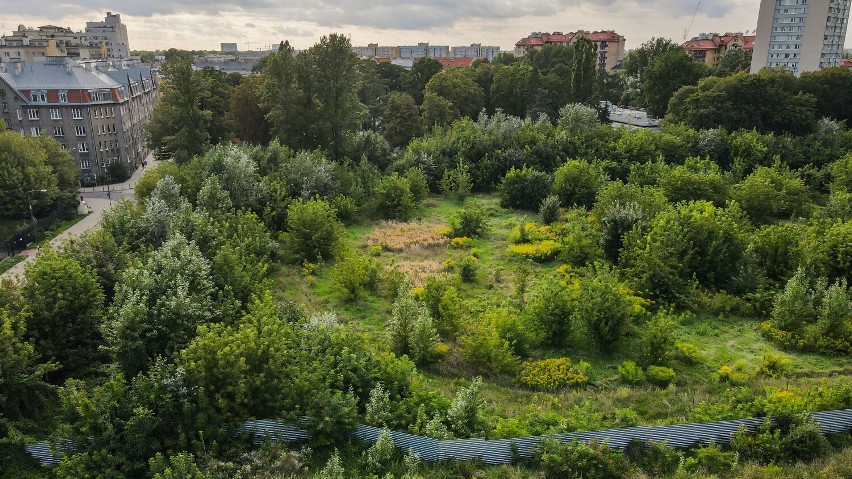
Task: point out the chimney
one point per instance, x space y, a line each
19 68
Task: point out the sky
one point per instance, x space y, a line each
257 24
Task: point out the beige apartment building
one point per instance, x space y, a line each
800 35
610 45
94 109
106 39
707 48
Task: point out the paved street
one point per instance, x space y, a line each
99 200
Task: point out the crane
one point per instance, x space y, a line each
691 21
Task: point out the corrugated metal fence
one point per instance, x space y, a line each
505 451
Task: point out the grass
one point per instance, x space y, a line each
414 249
56 229
8 263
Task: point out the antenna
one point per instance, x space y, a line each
691 21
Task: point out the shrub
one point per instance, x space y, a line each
661 376
394 199
486 351
735 374
465 413
530 233
548 210
630 373
509 325
805 443
551 374
456 182
552 311
355 275
540 252
577 460
417 183
654 458
773 365
523 189
410 327
762 445
605 305
313 231
577 182
714 460
461 242
379 456
468 266
657 342
687 353
470 221
450 310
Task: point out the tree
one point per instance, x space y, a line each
159 305
768 194
248 112
410 327
401 120
577 182
421 73
578 118
437 111
731 62
66 304
289 108
509 89
23 391
179 124
603 307
640 58
313 231
216 99
457 87
524 188
583 71
394 199
830 87
666 75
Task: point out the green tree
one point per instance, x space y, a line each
666 75
401 120
179 124
437 111
768 194
457 87
577 182
215 99
696 179
825 85
23 391
416 79
394 199
158 306
640 58
247 111
313 231
603 307
524 188
410 327
66 304
509 89
583 71
731 62
577 118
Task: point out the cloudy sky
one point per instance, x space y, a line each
202 24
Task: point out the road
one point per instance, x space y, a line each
99 199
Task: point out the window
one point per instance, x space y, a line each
38 96
83 147
63 97
77 113
85 164
55 114
19 114
36 131
80 130
23 132
57 131
32 114
63 146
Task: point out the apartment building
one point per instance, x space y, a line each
475 50
800 35
420 50
709 47
106 39
94 109
610 45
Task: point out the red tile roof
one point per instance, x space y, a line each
715 41
461 62
846 62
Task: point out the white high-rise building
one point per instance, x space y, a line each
800 35
110 35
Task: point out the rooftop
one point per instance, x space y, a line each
71 75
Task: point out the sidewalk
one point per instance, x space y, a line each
97 205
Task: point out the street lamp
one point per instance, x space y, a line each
32 217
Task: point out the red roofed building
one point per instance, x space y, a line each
455 62
846 62
610 45
709 47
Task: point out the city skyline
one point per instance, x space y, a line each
256 25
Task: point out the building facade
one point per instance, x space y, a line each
707 48
106 39
476 50
94 109
110 36
610 45
800 35
228 47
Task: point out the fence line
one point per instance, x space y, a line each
506 451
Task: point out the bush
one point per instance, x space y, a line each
418 184
465 414
355 275
630 373
540 252
523 189
773 365
410 327
394 199
551 374
654 458
657 343
577 182
461 242
762 445
735 374
661 376
713 460
687 353
468 267
483 349
576 460
313 231
456 182
471 221
551 311
805 443
548 210
605 305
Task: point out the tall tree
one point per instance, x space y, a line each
179 124
247 111
509 89
401 119
639 59
583 71
416 79
457 87
666 75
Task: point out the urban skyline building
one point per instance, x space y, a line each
800 35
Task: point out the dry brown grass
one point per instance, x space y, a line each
398 237
419 271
